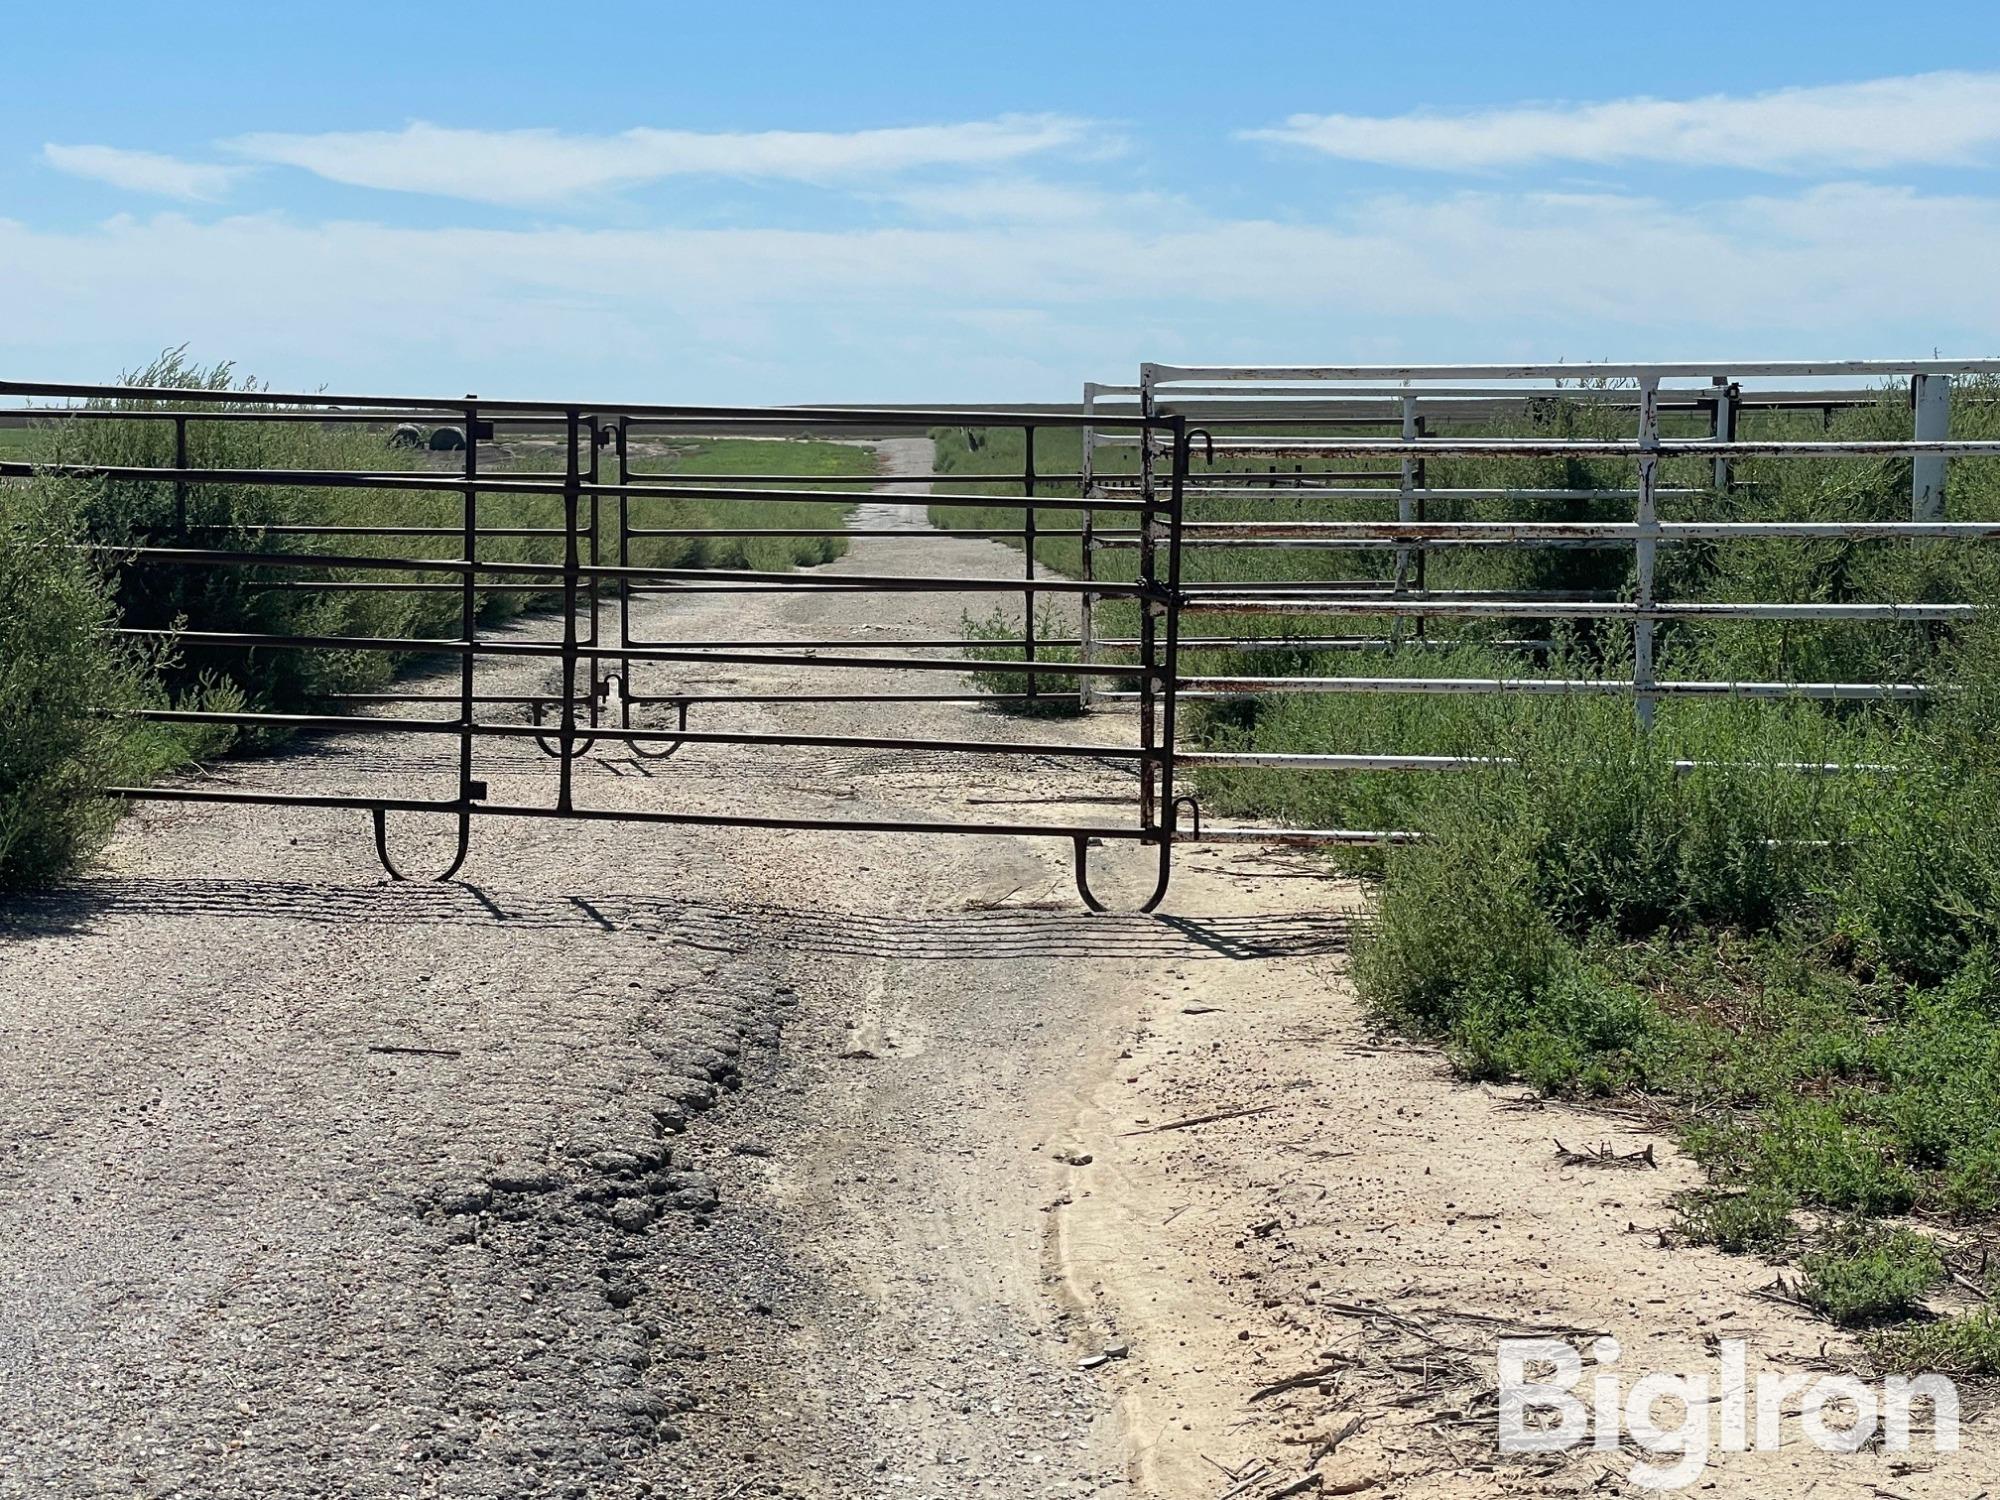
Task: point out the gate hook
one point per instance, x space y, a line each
381 817
1167 837
625 719
1188 800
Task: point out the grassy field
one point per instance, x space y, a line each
797 459
61 669
1801 973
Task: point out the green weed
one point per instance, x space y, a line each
1871 1275
1755 1220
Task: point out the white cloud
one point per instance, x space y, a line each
1024 200
143 171
998 311
531 167
1947 118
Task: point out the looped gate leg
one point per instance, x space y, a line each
554 750
381 817
1082 844
681 722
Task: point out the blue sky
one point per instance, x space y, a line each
780 202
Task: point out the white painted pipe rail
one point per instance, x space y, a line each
1563 609
1153 375
1229 687
1257 760
1375 447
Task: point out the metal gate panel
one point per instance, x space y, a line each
1365 434
593 586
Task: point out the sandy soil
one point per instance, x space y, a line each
708 1162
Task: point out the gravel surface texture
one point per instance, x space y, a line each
316 1184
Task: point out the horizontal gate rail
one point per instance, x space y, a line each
1155 375
483 484
1232 687
437 646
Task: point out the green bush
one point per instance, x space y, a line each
1577 1033
1755 1219
1924 891
997 639
1810 1148
1971 1188
61 677
1459 916
1965 1345
1871 1275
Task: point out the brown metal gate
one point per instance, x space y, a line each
599 501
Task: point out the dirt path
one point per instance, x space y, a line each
734 1162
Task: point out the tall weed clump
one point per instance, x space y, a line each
1583 830
62 678
1922 895
163 596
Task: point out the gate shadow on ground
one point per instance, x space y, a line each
1001 933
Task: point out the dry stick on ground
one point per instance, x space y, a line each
1971 1286
1369 1310
1221 1114
1548 1330
1293 1382
1780 1293
1325 1450
1604 1156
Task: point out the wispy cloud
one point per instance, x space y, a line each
972 311
1023 200
524 168
1947 118
144 171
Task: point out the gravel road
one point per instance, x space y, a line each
636 1160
